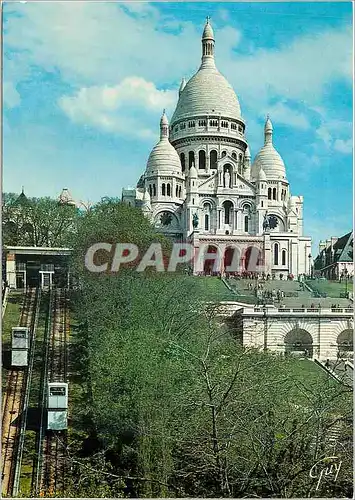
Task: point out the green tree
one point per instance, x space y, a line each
37 221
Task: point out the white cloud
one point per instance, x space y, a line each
324 135
112 108
10 95
299 70
282 113
97 45
344 146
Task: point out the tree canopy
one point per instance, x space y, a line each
177 406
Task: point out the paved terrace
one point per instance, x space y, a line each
304 296
228 308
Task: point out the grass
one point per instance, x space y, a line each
12 315
210 288
331 288
308 379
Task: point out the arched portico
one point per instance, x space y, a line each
345 342
299 342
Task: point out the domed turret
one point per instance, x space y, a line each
193 172
208 31
65 198
207 92
268 158
164 157
261 175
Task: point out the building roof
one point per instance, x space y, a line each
339 251
207 92
268 158
22 198
343 248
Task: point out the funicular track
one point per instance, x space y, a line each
15 401
50 468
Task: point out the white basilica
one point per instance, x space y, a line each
200 185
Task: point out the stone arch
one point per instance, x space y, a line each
345 342
252 258
247 206
213 159
275 253
231 259
183 161
227 211
191 158
299 342
166 219
281 226
202 159
210 265
284 257
207 210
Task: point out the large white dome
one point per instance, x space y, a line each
207 92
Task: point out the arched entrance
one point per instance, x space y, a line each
210 265
228 211
299 342
252 259
345 343
232 260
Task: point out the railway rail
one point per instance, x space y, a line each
50 467
15 402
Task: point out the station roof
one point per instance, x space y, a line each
37 250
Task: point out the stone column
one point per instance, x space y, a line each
267 254
207 161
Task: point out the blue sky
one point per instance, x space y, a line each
85 85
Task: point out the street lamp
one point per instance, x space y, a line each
309 266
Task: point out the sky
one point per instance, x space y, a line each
84 86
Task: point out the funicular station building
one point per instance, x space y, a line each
36 267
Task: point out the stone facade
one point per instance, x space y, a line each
200 185
317 333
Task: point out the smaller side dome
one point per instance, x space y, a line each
146 196
65 197
164 157
261 175
193 172
268 158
